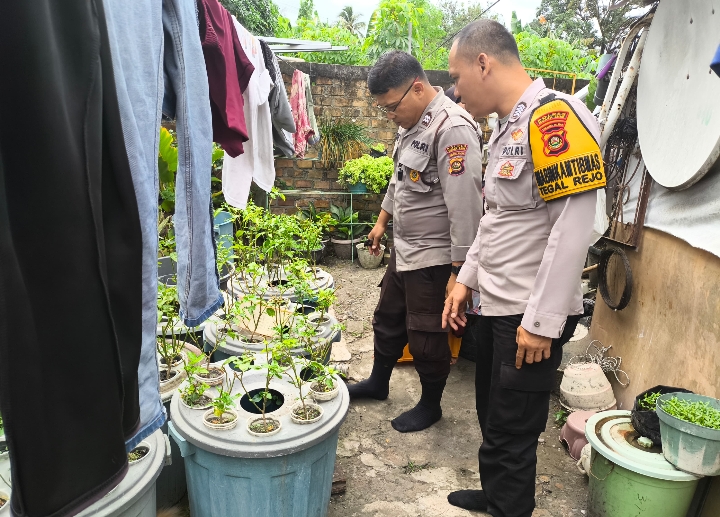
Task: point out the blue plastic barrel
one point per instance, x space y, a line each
223 230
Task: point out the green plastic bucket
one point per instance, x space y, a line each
628 480
690 447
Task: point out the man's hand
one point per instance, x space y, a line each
455 305
375 235
531 348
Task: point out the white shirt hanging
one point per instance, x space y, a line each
257 162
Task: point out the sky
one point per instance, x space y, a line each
329 9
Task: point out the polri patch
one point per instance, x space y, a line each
519 109
566 156
456 155
512 151
420 146
414 175
427 118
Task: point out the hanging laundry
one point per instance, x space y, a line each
257 162
229 71
280 111
70 260
298 103
315 138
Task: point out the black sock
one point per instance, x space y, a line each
426 413
377 386
469 500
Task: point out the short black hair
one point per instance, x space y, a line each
393 69
489 37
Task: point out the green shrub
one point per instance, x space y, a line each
375 173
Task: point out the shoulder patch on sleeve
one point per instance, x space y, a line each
456 156
566 157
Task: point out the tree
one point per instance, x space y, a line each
351 20
456 15
555 54
515 24
306 10
389 29
260 17
314 30
588 22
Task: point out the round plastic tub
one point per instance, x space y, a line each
628 480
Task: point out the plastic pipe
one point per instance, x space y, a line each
625 87
617 72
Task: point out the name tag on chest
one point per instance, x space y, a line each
512 151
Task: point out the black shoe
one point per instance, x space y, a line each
473 500
377 386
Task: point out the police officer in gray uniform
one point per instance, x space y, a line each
433 199
543 168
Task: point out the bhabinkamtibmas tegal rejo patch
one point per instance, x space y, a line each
566 157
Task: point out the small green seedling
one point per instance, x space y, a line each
649 401
699 413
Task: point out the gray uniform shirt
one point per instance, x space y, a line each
528 255
435 194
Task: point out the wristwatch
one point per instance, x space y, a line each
455 270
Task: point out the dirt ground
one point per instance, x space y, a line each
390 474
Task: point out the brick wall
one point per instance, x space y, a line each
341 91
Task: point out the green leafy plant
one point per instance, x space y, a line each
193 392
375 173
379 147
225 400
167 167
168 306
557 55
699 413
346 222
561 417
337 34
592 88
342 139
649 401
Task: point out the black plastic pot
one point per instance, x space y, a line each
377 154
645 422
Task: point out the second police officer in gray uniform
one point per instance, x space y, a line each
433 199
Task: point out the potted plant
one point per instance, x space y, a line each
223 416
347 231
690 432
324 386
303 411
378 150
366 173
192 394
263 399
342 139
169 345
367 259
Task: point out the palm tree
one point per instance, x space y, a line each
349 19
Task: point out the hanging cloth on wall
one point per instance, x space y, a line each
256 163
298 103
315 138
75 294
280 111
229 71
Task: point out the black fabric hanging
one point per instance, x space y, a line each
70 259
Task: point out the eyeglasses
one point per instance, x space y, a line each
393 107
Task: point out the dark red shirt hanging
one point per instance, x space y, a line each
229 72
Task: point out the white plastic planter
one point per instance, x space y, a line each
244 474
224 426
135 496
308 404
324 396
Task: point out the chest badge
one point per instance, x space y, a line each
517 135
506 170
414 175
427 119
519 109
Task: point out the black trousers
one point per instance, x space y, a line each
410 312
512 407
70 259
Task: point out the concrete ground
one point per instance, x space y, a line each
390 474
